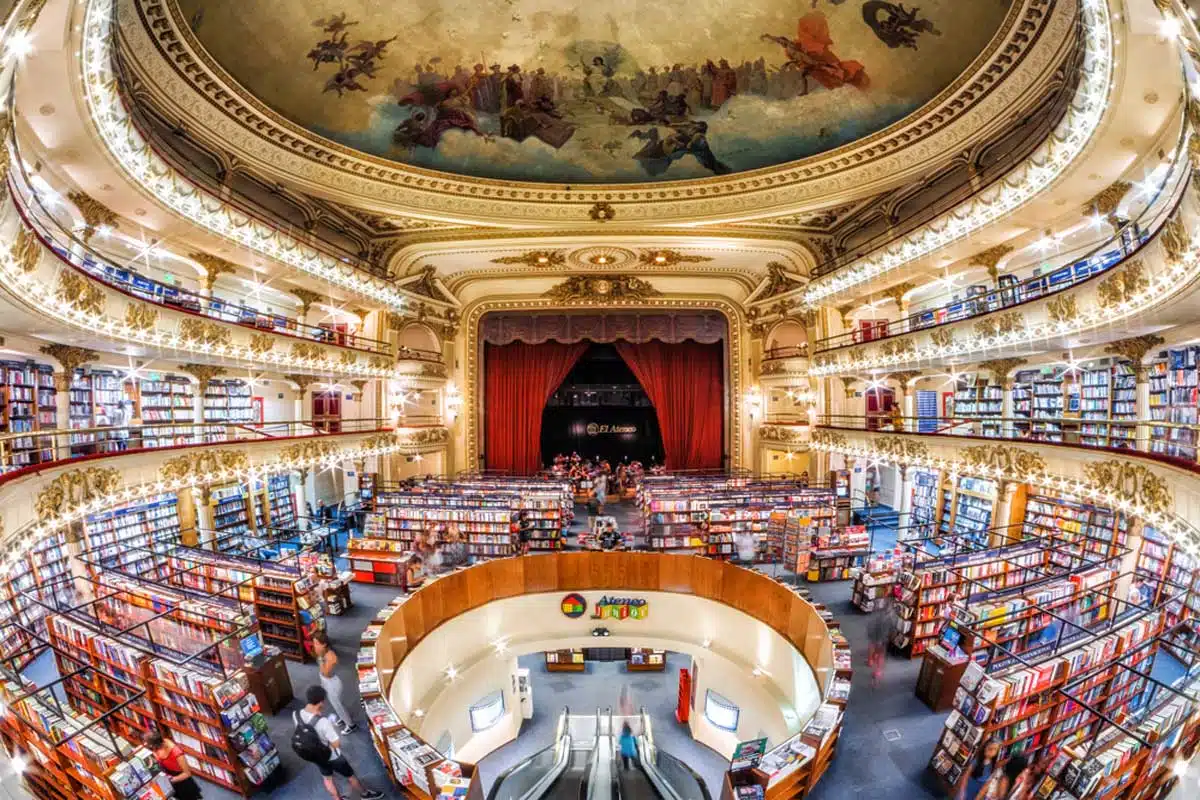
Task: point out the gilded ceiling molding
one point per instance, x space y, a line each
994 325
308 351
26 250
306 297
905 378
203 373
668 258
203 332
1106 202
302 381
1011 462
95 214
783 434
1134 349
261 343
901 448
213 266
174 65
990 259
828 438
70 359
601 290
1001 368
473 368
1175 237
73 490
359 384
535 258
896 293
778 282
425 283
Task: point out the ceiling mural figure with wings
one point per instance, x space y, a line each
570 92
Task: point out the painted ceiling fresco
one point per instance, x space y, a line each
612 91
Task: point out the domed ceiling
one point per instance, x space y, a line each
561 91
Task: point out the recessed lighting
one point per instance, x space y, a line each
418 713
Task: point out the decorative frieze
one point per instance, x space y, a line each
1013 462
74 490
203 465
600 289
1132 482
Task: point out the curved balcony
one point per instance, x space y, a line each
783 365
1118 283
118 465
47 278
1069 269
1056 155
1138 478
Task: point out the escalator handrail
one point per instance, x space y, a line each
561 759
602 753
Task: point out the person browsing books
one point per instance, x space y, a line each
316 740
980 773
332 684
170 757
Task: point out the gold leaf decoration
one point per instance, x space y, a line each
348 358
1001 367
95 214
990 259
1135 348
26 249
302 381
261 343
306 297
669 258
202 331
535 258
1106 202
203 373
1063 308
379 362
942 337
433 370
75 489
1175 238
600 289
79 292
71 358
308 350
1132 482
428 436
829 439
141 316
783 434
898 347
901 448
1123 285
896 293
214 267
202 463
307 452
1010 461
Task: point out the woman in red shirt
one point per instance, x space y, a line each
170 757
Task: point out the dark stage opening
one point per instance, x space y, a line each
601 411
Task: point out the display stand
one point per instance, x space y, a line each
565 661
641 659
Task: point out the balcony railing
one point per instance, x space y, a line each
27 452
119 273
1167 441
1102 255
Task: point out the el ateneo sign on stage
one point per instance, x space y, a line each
574 606
596 429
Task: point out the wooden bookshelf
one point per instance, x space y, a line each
228 401
232 511
565 661
117 536
835 554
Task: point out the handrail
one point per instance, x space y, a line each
49 448
86 257
1175 442
1038 287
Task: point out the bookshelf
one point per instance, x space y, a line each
873 583
816 515
966 507
1108 397
289 612
115 536
281 502
642 659
925 495
982 401
570 660
95 399
27 405
231 512
1169 575
1083 529
213 718
835 553
228 401
1174 398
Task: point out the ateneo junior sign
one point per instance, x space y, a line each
574 606
596 429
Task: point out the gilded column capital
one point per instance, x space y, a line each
95 214
213 266
306 297
1134 349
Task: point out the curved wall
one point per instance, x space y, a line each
444 649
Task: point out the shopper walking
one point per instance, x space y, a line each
628 746
316 739
170 757
879 628
327 661
1007 783
980 773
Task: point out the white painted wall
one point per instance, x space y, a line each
777 702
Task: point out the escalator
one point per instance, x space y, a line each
573 783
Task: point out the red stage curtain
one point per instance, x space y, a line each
684 382
519 379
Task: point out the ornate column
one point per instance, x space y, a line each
69 359
299 405
1134 350
306 297
906 400
214 267
858 485
96 216
366 402
203 373
903 503
896 294
990 260
1005 490
1001 369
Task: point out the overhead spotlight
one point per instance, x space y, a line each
20 44
418 712
660 259
451 672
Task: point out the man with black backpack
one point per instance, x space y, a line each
316 739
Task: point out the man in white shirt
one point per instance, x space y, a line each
311 715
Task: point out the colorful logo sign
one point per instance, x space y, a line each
574 606
620 608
